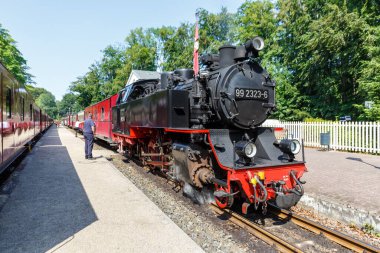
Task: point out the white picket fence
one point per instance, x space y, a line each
349 136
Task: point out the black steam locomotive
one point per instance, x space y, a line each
205 130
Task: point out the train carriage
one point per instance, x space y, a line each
21 119
102 116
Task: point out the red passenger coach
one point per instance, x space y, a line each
102 116
21 119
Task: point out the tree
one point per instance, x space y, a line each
324 47
256 18
178 48
369 81
87 87
68 104
215 30
140 53
113 59
12 58
46 101
338 41
34 91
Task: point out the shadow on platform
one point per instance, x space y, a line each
48 205
361 160
51 137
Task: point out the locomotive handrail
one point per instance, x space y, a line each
263 199
301 192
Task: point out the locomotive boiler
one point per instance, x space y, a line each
205 131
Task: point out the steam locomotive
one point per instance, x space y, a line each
204 130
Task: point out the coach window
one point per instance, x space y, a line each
8 103
31 112
102 116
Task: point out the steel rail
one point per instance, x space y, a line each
335 236
257 231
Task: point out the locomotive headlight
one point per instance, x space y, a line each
290 146
258 43
250 150
295 147
246 149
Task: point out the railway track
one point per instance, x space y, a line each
256 230
335 236
284 246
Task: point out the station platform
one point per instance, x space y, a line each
61 202
343 185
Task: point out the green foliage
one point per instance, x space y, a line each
34 91
139 54
46 101
164 48
178 48
12 58
110 74
323 55
215 30
332 61
325 47
68 104
256 18
88 87
113 59
315 120
369 114
369 229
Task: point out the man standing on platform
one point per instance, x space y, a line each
88 132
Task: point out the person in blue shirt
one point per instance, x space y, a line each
89 129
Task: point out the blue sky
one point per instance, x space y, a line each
61 39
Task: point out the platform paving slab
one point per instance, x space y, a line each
64 203
343 185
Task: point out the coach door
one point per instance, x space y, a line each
116 119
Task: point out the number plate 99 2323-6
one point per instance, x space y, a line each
257 94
